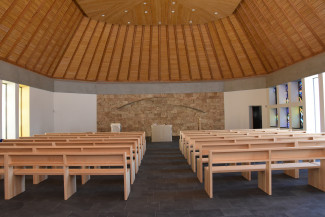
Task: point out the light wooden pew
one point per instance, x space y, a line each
69 149
195 144
80 144
264 166
205 149
15 169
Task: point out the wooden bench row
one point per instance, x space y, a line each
264 162
68 165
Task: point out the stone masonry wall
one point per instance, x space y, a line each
139 112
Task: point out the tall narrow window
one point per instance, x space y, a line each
4 111
20 111
24 122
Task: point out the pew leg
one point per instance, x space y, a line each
38 178
14 184
208 181
193 161
70 184
316 177
292 173
127 184
136 163
85 178
199 172
132 167
247 175
265 179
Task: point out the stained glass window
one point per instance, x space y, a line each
300 90
275 95
288 118
301 117
287 94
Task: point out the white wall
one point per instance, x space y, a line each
75 112
41 111
237 103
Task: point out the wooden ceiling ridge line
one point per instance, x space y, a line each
150 53
299 33
122 53
177 53
282 28
54 32
80 8
276 35
232 47
131 52
261 52
84 54
26 27
196 52
223 49
60 36
26 7
214 50
76 49
307 25
11 6
205 52
262 41
66 48
34 33
104 51
140 54
113 52
241 45
95 51
315 12
187 55
280 56
45 33
69 42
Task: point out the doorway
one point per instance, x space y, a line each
256 117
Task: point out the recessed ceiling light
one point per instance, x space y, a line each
193 9
159 22
145 12
103 15
126 11
173 3
129 22
144 3
173 11
190 21
215 13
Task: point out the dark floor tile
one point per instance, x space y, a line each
205 213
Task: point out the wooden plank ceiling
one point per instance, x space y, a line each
53 38
154 12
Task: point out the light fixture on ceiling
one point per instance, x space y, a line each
173 3
173 11
216 13
144 3
103 15
190 21
129 22
126 11
193 9
145 12
159 22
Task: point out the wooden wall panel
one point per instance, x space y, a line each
283 32
136 54
32 30
53 38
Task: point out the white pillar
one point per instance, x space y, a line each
321 78
1 109
13 111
